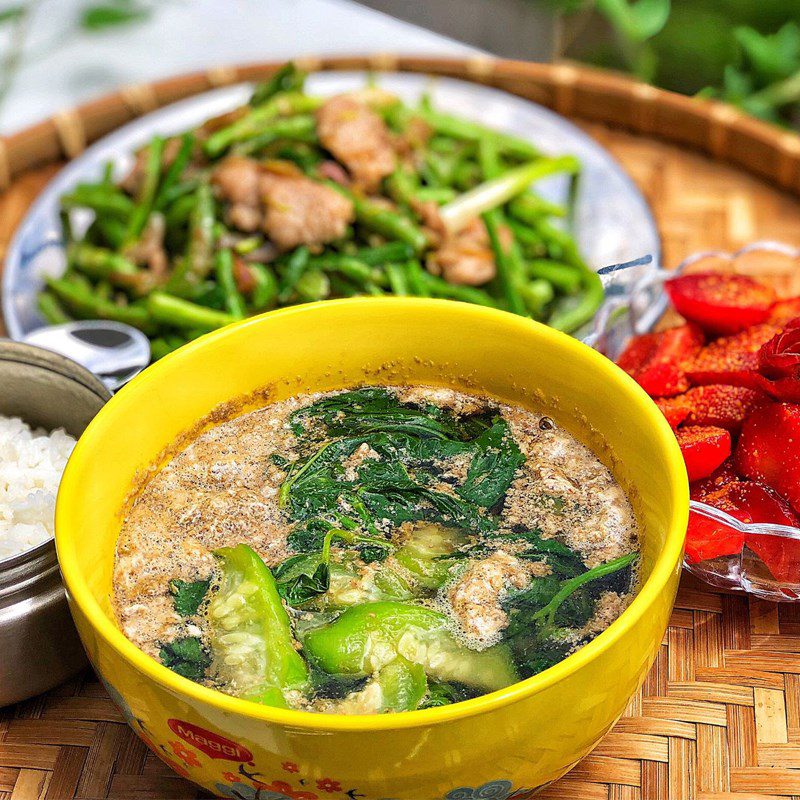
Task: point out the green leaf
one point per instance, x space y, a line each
12 14
397 485
287 79
445 694
737 85
186 656
771 57
564 562
493 467
301 578
188 595
638 20
544 615
739 89
536 654
372 410
103 16
370 553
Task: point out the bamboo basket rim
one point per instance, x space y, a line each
714 127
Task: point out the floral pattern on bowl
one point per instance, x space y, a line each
243 781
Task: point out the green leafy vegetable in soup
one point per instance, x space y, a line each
375 550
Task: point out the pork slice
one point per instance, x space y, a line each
301 211
465 258
236 180
357 137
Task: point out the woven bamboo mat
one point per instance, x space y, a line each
718 718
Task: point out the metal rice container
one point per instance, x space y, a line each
39 647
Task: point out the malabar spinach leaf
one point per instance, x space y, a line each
375 410
186 656
493 466
301 578
540 613
188 595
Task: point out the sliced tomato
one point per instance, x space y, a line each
706 538
732 360
637 352
779 363
658 361
784 311
675 409
704 449
749 502
780 554
708 487
721 406
787 389
719 303
769 449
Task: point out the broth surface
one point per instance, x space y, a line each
420 546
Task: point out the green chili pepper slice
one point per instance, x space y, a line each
365 638
252 647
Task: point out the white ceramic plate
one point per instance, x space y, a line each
613 221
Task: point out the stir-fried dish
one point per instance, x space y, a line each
295 198
374 550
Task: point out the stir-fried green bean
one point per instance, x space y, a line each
388 223
537 295
459 128
506 265
398 281
173 174
164 345
295 267
147 192
384 253
179 313
99 262
234 302
569 318
300 128
265 292
287 79
51 309
564 277
256 120
198 262
313 285
86 304
438 287
100 198
183 245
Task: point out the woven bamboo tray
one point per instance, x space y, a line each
718 718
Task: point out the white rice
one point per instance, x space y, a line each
31 464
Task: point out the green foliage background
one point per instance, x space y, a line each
746 52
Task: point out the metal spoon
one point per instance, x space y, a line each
113 351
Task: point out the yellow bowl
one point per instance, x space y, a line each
499 746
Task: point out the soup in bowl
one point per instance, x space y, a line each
389 548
